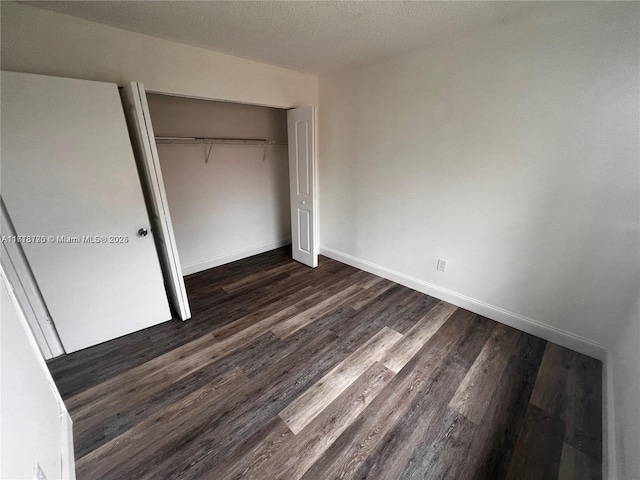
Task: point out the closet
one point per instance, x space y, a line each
226 175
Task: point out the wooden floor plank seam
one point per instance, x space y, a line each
299 452
471 397
312 402
154 429
372 430
300 320
403 351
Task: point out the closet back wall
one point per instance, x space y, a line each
236 204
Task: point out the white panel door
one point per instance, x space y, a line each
301 124
139 120
69 176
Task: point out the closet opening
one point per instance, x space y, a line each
223 181
225 168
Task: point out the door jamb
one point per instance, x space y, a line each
27 292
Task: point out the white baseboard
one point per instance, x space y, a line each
232 257
520 322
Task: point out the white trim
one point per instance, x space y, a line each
146 154
27 292
520 322
232 257
609 457
67 451
316 184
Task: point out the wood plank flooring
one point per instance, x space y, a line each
286 372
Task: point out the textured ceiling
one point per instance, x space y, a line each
313 37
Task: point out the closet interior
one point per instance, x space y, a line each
226 176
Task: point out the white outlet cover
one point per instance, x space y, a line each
442 265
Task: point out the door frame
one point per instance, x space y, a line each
137 116
316 163
28 295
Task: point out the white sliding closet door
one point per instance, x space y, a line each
139 120
69 177
301 123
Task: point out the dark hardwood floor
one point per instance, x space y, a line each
287 372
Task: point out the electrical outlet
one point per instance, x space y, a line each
442 265
38 474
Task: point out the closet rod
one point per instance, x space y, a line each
226 141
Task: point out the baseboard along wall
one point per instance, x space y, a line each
520 322
232 257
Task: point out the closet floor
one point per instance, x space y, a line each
288 372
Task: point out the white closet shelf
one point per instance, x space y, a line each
225 141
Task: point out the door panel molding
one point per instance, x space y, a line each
301 123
